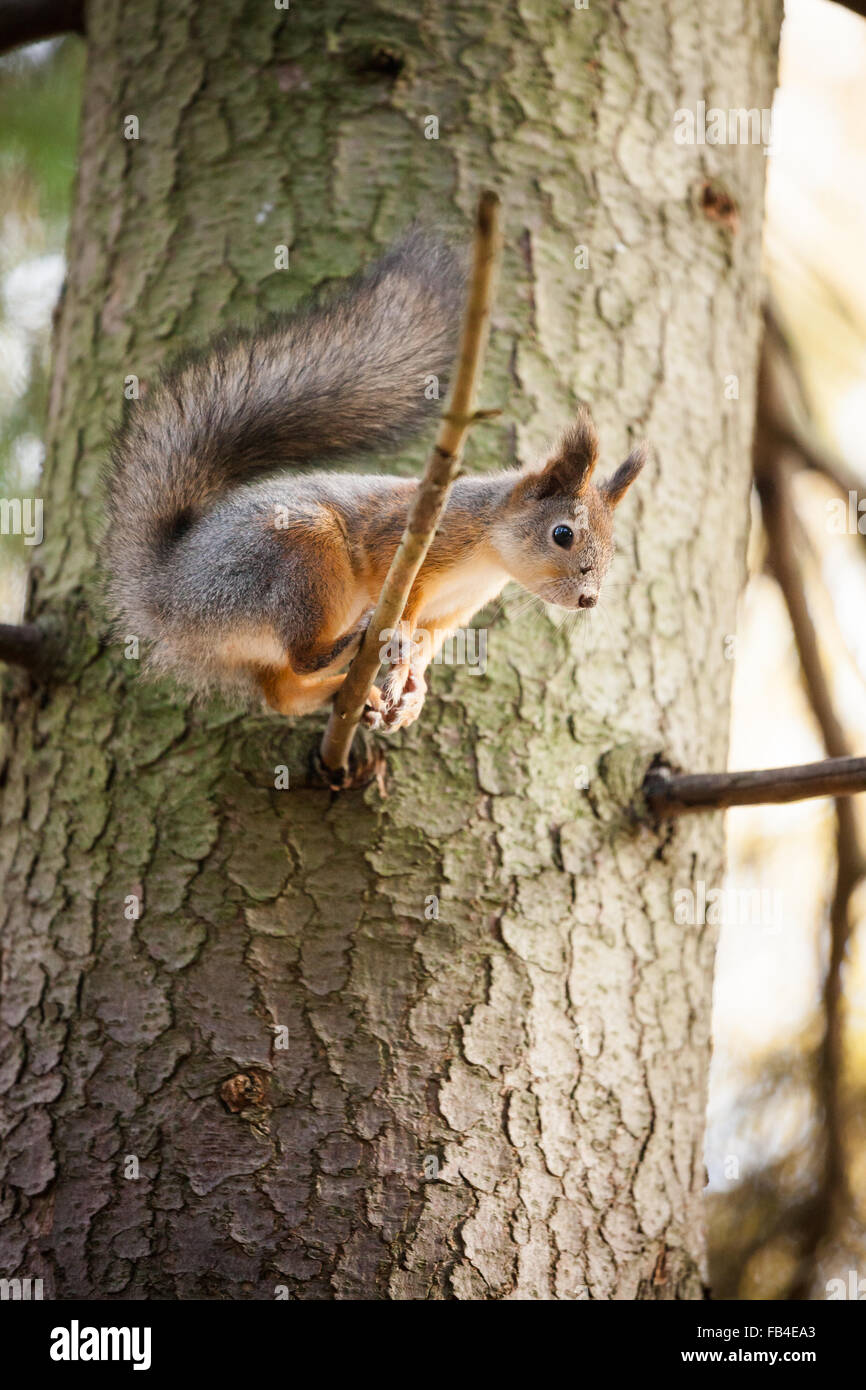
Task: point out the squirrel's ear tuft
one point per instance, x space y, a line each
569 468
616 487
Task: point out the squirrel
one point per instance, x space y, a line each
245 575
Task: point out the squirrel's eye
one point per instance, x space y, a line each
563 535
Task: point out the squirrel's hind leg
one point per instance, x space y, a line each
292 693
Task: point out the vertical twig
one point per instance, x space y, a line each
429 501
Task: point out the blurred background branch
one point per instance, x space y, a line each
775 453
786 1148
26 21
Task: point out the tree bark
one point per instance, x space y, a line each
451 1044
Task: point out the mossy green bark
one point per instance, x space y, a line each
450 1043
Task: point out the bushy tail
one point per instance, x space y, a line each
333 379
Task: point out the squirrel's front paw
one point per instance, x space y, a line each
403 693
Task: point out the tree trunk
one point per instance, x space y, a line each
452 1043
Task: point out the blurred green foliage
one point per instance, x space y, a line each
40 98
39 109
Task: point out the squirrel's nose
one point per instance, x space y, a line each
587 601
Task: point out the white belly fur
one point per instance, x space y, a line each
474 584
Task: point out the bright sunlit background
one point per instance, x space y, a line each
762 1148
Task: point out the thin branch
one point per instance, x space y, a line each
22 645
675 794
429 501
26 21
